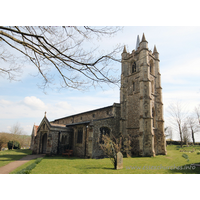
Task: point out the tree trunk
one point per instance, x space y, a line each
181 135
193 137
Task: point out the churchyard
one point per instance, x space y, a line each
172 163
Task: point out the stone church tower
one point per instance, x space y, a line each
141 100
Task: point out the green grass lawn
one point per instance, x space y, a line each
134 165
12 155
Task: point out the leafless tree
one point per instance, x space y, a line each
193 126
110 148
169 132
186 135
197 111
178 115
112 145
60 51
16 131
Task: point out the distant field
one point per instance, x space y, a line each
172 163
12 155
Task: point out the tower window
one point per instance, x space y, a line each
93 115
151 67
134 67
133 86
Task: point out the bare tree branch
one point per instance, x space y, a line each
178 116
64 49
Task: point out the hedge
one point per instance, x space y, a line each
179 143
28 169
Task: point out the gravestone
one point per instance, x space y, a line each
119 161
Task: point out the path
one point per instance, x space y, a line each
13 165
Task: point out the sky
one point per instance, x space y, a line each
24 102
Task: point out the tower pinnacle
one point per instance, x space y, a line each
143 38
124 51
155 50
137 43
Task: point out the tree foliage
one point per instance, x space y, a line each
4 138
62 50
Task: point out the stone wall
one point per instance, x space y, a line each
87 116
112 124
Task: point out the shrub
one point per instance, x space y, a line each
38 160
198 153
14 145
184 155
10 145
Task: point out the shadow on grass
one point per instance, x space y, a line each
92 167
186 169
62 157
13 155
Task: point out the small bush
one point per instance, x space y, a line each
10 144
198 153
184 155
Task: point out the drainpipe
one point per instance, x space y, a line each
85 140
58 142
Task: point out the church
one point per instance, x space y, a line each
139 114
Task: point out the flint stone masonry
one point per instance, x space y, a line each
138 116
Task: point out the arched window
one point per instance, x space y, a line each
134 67
104 131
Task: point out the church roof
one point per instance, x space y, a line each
86 122
60 125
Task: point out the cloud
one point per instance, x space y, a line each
5 102
34 103
63 104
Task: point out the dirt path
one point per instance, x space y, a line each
13 165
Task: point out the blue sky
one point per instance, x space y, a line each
179 48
